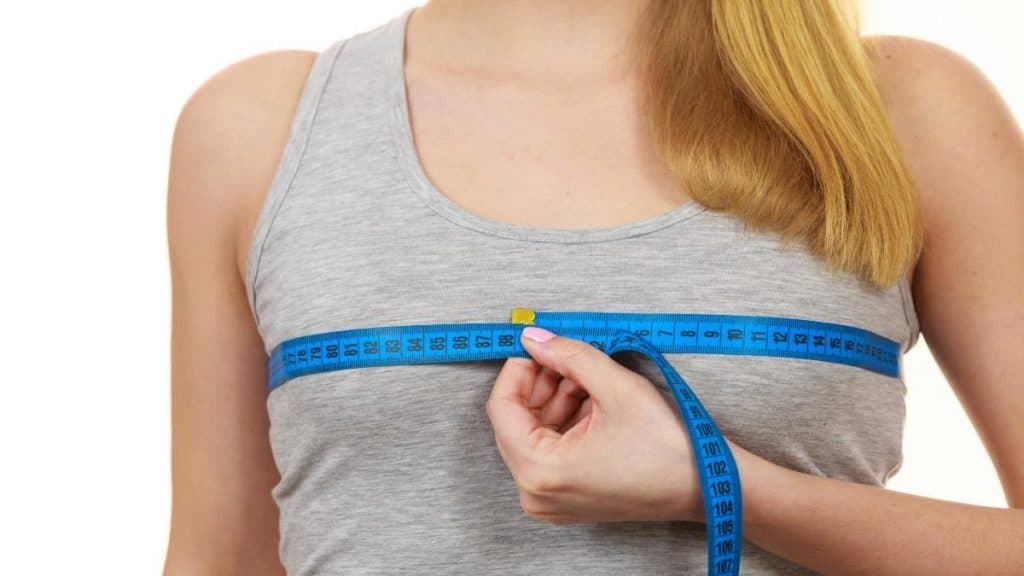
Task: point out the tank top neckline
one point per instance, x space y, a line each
416 177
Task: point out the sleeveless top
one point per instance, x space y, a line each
394 469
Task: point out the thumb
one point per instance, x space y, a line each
578 360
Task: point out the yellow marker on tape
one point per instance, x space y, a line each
523 316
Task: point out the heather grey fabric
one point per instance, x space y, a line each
394 470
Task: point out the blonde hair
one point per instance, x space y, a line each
768 110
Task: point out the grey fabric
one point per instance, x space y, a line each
394 470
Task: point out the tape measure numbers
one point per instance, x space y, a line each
651 334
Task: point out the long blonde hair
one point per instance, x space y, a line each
768 110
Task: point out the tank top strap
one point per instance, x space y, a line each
345 104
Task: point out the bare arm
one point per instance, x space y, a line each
227 142
967 155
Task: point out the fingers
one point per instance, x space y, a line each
563 405
600 374
586 407
517 429
544 387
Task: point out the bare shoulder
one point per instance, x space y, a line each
227 141
925 82
951 122
229 137
966 153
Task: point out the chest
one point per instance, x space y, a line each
812 416
562 156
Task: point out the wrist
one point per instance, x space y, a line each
762 484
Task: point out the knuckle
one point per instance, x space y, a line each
539 512
531 507
527 483
540 481
541 508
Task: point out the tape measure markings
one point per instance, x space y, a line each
670 334
716 467
651 334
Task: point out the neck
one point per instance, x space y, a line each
551 39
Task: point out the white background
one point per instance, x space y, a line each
91 93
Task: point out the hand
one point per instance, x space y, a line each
588 440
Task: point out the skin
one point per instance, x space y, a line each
227 140
963 147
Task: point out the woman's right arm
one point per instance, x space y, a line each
227 142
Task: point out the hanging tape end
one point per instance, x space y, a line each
522 316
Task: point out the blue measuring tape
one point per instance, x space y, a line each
651 334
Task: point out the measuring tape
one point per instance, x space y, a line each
651 334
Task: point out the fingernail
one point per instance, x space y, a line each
537 334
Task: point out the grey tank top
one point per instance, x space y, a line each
394 469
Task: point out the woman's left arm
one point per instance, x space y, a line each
966 154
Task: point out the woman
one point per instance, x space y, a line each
707 156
